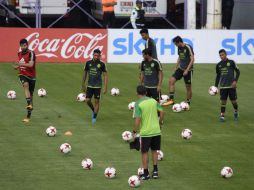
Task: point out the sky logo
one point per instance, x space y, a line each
238 46
123 46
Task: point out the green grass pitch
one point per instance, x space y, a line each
30 160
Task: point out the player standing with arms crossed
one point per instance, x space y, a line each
94 69
27 74
227 75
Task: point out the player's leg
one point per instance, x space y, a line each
97 96
155 95
155 145
176 76
145 145
233 98
89 95
30 104
223 99
188 82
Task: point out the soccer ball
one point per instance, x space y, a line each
186 134
115 92
176 108
213 90
11 94
164 98
65 148
81 97
87 164
134 181
110 172
131 105
51 131
42 92
160 154
185 106
226 172
127 136
140 171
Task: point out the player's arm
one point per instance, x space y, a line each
160 109
134 15
217 79
31 61
177 63
84 78
191 61
141 78
105 78
137 116
237 71
160 76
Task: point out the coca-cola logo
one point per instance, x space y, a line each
78 45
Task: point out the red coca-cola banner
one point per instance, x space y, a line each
54 45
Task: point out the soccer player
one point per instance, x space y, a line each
151 75
183 68
94 69
27 74
227 75
149 125
150 43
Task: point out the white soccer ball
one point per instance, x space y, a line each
160 155
65 148
176 108
226 172
140 171
110 172
115 92
185 106
87 164
186 134
42 92
134 181
164 98
11 94
131 105
81 97
213 90
127 136
51 131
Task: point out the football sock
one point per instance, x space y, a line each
171 95
90 105
28 100
94 115
29 112
222 109
188 101
146 172
235 105
155 168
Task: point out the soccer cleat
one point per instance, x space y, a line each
236 116
26 120
143 177
155 175
169 102
222 119
29 107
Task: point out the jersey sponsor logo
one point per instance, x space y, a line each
128 46
228 64
99 66
238 45
152 65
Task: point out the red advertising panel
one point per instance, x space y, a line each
54 45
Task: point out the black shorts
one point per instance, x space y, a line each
179 74
150 142
90 92
228 92
30 81
152 93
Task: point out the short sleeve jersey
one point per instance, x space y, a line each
151 71
226 70
95 68
184 55
146 109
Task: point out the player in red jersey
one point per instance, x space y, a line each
27 74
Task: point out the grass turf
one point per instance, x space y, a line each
31 160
